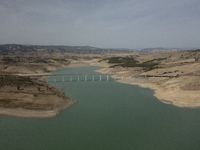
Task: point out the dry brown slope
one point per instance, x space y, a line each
24 97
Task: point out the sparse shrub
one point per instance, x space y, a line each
176 71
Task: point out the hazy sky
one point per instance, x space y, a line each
101 23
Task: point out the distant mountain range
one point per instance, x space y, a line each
159 49
39 50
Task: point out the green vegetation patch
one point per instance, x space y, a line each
131 62
196 58
8 60
60 59
124 60
40 61
17 81
156 60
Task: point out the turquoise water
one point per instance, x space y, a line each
108 115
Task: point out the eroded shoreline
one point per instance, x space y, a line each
174 95
168 90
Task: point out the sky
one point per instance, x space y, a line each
101 23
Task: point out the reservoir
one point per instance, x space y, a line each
108 116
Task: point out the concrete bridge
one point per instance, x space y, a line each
74 77
91 77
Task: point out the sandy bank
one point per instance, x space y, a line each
168 90
33 105
37 114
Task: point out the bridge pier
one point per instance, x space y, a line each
100 77
70 78
63 80
107 78
78 78
85 77
55 80
92 77
122 77
46 79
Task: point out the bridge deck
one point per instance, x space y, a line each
138 75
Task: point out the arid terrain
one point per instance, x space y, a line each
21 96
182 90
28 98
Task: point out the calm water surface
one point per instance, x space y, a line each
108 116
